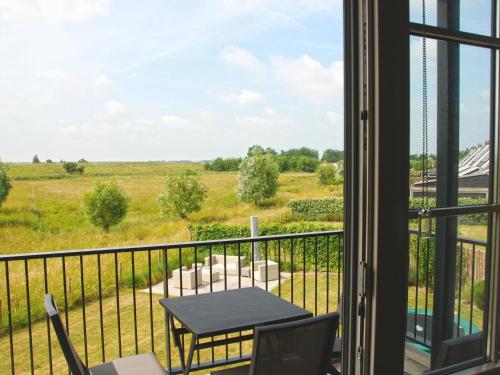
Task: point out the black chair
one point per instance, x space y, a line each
137 364
460 349
294 348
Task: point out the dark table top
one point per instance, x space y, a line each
231 311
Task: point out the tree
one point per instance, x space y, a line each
332 156
49 161
258 178
71 167
82 160
259 150
36 160
183 194
106 205
5 184
303 151
329 175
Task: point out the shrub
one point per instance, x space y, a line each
106 205
329 175
5 184
318 208
298 163
183 194
224 165
479 294
49 161
328 251
73 168
258 178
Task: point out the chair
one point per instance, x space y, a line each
460 349
294 348
232 264
137 364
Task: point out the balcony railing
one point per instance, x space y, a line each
109 297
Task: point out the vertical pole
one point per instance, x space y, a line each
448 116
254 232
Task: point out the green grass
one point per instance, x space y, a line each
43 213
75 317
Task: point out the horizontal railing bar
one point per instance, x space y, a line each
221 342
165 246
449 35
470 241
458 210
210 364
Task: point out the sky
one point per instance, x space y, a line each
117 80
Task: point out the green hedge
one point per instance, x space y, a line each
333 208
318 208
328 250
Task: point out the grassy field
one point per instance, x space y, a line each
43 213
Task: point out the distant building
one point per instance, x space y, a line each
473 176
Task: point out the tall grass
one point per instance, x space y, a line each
43 213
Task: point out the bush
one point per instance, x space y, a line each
106 205
258 178
5 184
318 208
297 163
73 168
334 255
224 165
329 175
183 194
479 294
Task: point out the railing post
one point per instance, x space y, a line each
254 232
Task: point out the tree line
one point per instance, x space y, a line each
303 159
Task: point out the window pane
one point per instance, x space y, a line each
475 16
465 322
456 93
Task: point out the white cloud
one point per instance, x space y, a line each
172 119
243 97
53 11
100 82
241 58
334 117
57 76
310 79
113 107
269 112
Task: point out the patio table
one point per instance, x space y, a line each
219 313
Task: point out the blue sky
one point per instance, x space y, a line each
176 80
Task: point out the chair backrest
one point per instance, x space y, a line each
74 362
295 348
460 349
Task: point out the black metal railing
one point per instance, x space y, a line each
109 297
471 255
